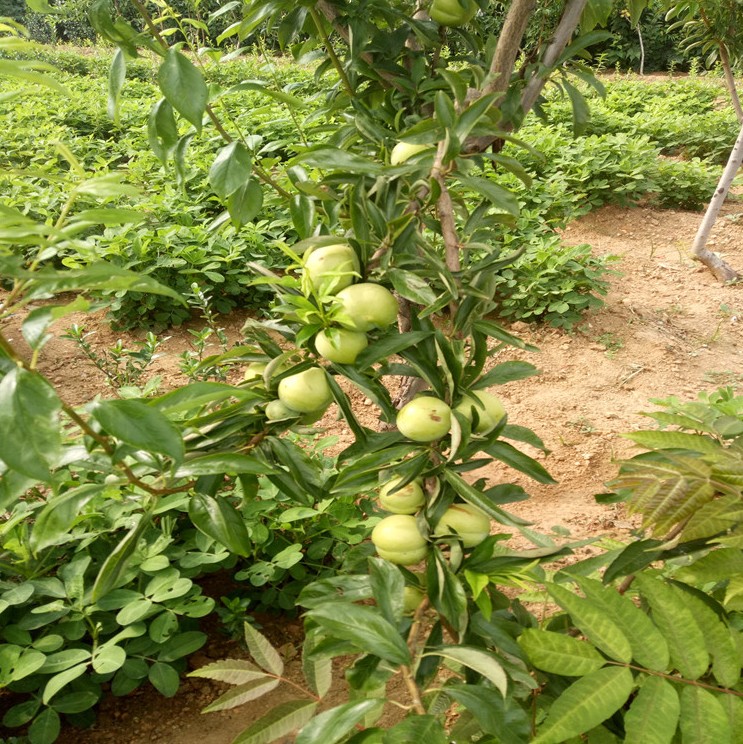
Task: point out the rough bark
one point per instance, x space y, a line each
721 270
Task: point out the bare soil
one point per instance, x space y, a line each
668 328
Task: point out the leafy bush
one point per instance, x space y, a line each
553 283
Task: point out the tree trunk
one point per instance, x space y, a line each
722 271
730 82
642 50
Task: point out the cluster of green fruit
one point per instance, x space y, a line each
328 274
428 419
398 538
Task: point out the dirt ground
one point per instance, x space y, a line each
668 328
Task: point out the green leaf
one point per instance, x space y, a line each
280 721
480 661
231 671
30 438
332 725
61 680
59 514
508 454
676 622
703 719
140 425
674 440
259 87
180 645
164 678
45 728
500 198
229 463
505 372
183 87
38 321
75 702
653 716
363 627
446 592
388 585
649 647
388 346
231 169
586 703
246 202
216 517
412 287
593 623
243 693
116 77
560 654
335 159
479 499
97 276
116 563
162 130
719 640
500 718
264 654
318 670
108 659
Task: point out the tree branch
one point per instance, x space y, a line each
509 44
560 39
730 81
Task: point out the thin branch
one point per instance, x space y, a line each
562 36
730 81
331 51
142 10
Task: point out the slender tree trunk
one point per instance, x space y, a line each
730 82
722 271
642 50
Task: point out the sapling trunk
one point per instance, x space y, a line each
722 271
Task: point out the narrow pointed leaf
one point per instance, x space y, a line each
264 654
318 670
593 623
560 654
703 719
677 624
363 627
217 518
653 716
282 720
480 661
116 563
649 647
504 719
231 671
332 725
585 704
243 693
